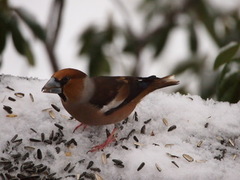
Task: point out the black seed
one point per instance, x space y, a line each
135 138
8 109
135 116
33 130
55 107
175 164
108 155
51 135
60 132
61 141
12 169
81 161
95 169
16 156
89 175
47 141
70 170
143 129
90 164
67 167
31 97
107 133
14 138
57 149
42 136
34 140
125 121
206 125
11 99
147 121
21 176
141 166
39 154
25 156
119 165
7 166
172 128
57 135
155 144
58 126
17 141
125 147
71 141
73 176
41 169
128 136
51 175
10 88
117 161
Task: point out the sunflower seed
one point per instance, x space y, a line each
20 95
55 107
11 99
7 166
81 161
143 129
104 158
158 167
70 170
30 148
141 166
172 156
175 164
165 121
47 141
147 121
31 97
16 156
90 164
188 158
172 128
42 169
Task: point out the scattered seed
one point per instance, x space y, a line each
95 169
42 169
10 88
175 164
14 138
135 116
70 170
55 107
199 144
172 128
39 154
42 136
200 161
104 158
143 129
33 130
51 114
169 145
90 164
231 142
188 158
135 138
158 167
141 166
47 141
206 125
34 140
20 95
72 141
165 121
117 161
125 147
147 121
31 97
172 156
138 144
67 167
58 126
11 115
57 149
8 109
47 109
11 99
81 161
25 156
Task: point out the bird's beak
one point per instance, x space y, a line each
52 86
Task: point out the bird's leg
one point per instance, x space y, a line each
78 126
111 138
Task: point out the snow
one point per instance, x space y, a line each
214 123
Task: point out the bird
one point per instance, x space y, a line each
102 100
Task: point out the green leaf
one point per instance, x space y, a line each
33 25
20 44
226 54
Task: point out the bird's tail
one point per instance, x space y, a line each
164 82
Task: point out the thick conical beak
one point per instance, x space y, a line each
52 86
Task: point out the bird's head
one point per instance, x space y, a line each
67 83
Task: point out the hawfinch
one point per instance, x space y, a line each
102 100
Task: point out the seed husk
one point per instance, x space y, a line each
169 145
90 164
172 156
234 156
104 158
158 167
172 128
47 141
31 97
55 107
11 115
128 136
25 156
19 94
188 158
71 141
231 142
118 163
30 148
12 169
97 176
11 99
141 166
165 121
155 144
175 164
51 114
199 144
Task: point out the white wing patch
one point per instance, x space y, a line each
113 104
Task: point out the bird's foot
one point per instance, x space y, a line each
78 126
111 138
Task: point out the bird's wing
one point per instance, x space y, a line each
112 93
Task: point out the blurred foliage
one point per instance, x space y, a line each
160 19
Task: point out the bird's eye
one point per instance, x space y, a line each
64 80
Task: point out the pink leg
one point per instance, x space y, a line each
109 140
78 126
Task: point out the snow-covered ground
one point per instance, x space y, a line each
206 133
